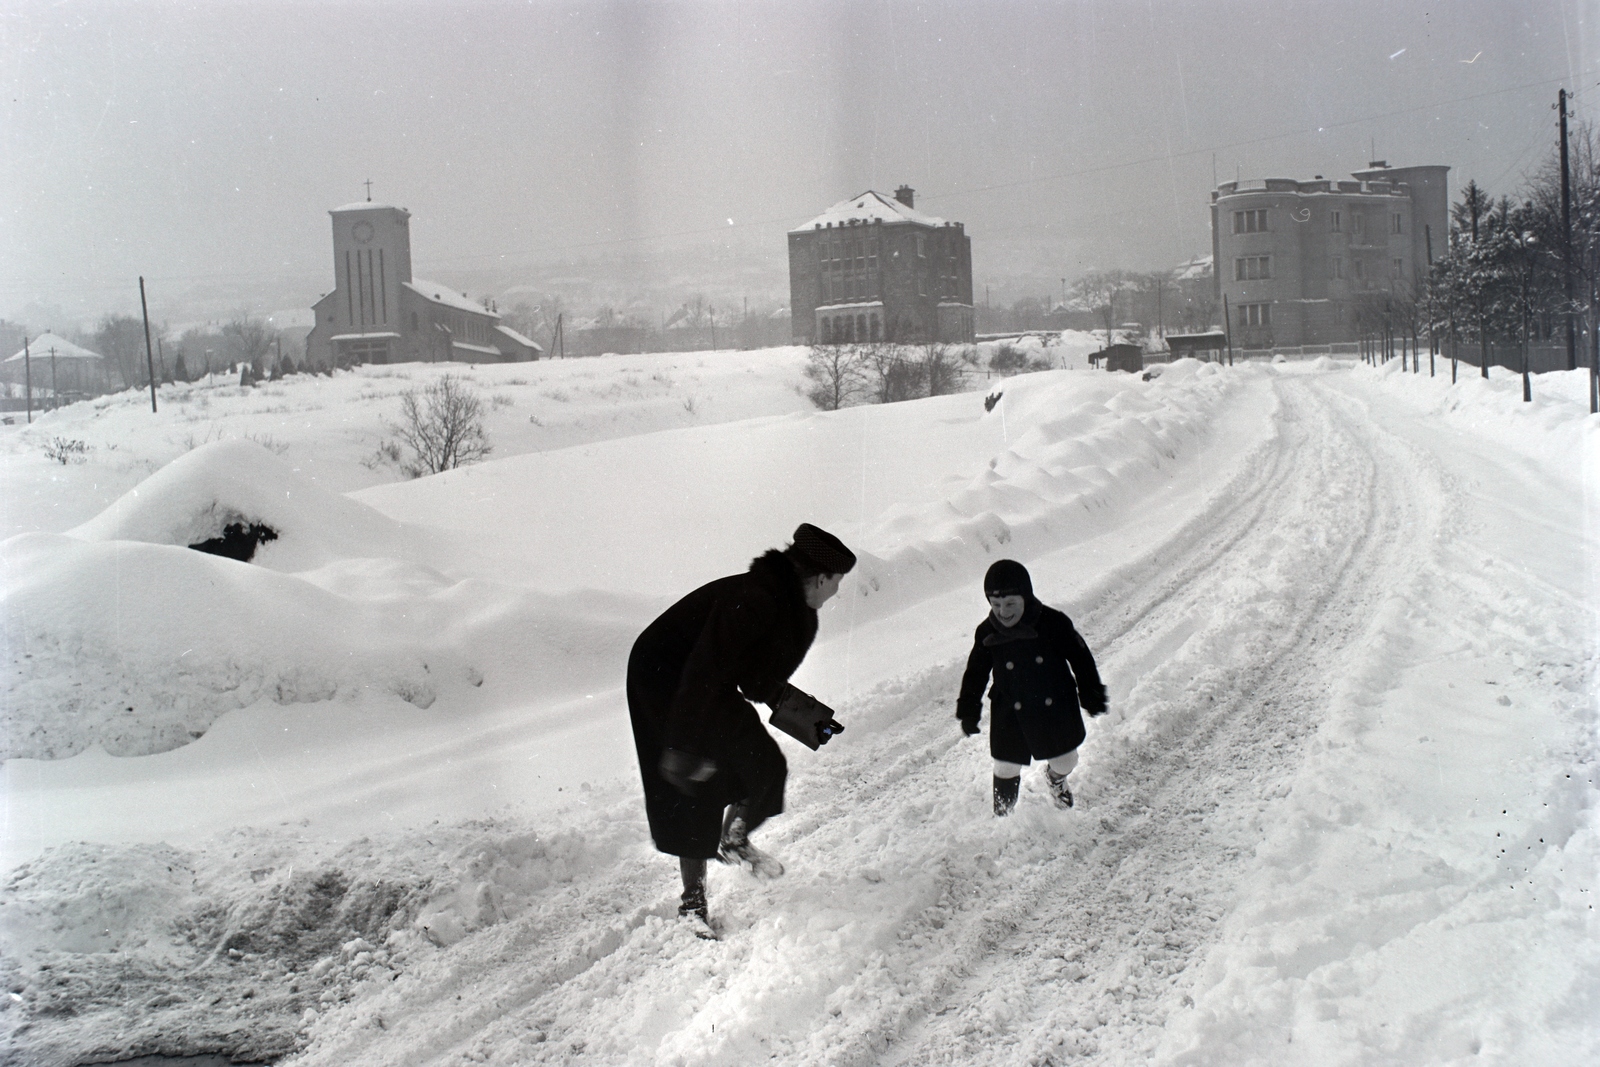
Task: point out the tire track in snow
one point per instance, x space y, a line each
912 927
1131 911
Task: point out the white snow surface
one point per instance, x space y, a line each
371 797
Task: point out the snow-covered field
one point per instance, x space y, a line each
370 798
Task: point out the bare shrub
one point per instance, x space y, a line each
65 451
1009 360
835 373
443 427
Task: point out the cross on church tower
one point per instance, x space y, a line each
369 190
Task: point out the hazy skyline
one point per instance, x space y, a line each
202 145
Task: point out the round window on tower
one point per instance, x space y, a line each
362 231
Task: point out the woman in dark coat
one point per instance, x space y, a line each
1042 672
691 677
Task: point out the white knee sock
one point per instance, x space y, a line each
1003 769
1063 763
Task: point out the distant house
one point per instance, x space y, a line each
873 268
54 366
379 313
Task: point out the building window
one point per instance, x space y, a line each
1336 269
922 249
1336 221
1397 265
1255 314
1250 268
1250 221
1394 223
1360 269
1355 222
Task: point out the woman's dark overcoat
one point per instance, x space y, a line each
689 677
1042 672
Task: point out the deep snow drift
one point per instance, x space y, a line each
369 797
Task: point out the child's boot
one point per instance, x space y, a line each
1058 787
1005 795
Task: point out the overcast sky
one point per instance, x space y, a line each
202 144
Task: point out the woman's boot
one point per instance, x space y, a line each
693 906
737 851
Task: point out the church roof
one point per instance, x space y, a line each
40 348
870 206
443 294
368 205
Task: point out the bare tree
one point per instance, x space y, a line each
1101 291
120 338
890 370
940 370
836 374
248 340
443 427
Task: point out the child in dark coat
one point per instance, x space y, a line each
1043 673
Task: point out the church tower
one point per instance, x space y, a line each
371 261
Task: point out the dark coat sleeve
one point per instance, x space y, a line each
720 661
1091 691
969 704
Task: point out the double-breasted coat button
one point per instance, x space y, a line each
1038 659
1009 665
1018 705
1048 701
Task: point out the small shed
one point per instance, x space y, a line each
1197 345
1121 357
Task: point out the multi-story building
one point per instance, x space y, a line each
873 268
1299 261
379 313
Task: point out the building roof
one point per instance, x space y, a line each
368 205
517 337
870 206
443 294
40 347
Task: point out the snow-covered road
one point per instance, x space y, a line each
913 928
1342 813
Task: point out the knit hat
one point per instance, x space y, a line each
1007 577
822 550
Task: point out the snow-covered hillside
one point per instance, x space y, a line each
370 798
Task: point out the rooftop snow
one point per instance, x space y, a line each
40 348
367 205
870 206
447 296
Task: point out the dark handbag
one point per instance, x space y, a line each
804 718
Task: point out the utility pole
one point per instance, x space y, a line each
27 376
1566 233
149 355
1227 328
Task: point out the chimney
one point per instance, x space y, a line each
906 195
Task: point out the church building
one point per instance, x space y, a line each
873 268
379 313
